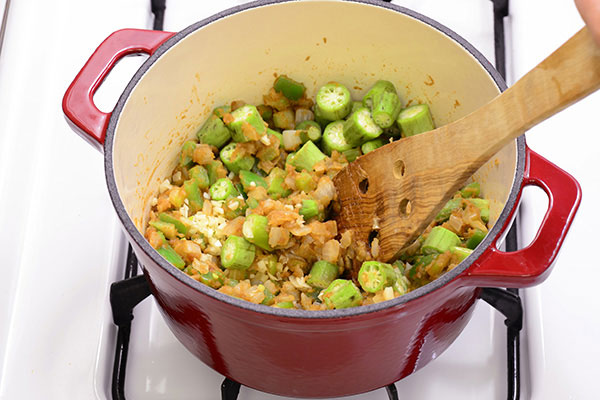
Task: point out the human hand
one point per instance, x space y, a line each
590 12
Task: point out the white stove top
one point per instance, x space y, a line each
62 244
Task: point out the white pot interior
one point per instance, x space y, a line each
238 55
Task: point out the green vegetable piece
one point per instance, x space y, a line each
355 106
333 138
237 163
252 202
214 131
278 135
371 145
378 87
234 207
266 112
271 261
309 209
250 180
445 212
269 298
439 240
290 88
215 170
237 253
360 127
322 274
475 239
284 119
352 154
187 151
222 189
180 225
284 304
386 108
194 195
414 120
276 188
246 118
305 182
237 274
473 189
460 252
309 130
333 101
256 231
171 256
342 293
222 110
374 276
214 279
200 175
484 208
177 197
307 157
166 228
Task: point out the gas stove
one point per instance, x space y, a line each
64 247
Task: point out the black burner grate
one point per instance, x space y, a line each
128 293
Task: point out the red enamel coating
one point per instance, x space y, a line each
531 265
78 103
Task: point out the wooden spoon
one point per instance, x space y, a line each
394 192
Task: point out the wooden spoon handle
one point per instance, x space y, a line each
566 76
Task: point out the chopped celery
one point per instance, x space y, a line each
256 231
171 256
179 224
247 124
471 190
290 88
309 209
439 240
475 239
250 180
342 293
214 131
322 274
307 157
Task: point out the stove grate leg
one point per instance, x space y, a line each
392 392
230 389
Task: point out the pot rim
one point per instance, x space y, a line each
143 244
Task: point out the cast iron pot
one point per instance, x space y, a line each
234 55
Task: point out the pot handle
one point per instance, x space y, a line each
78 103
532 264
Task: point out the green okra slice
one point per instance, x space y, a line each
266 112
171 256
237 253
355 106
222 189
322 274
222 110
234 207
484 208
439 240
473 189
309 209
179 224
215 170
307 157
341 293
246 119
475 239
360 127
187 151
371 145
167 228
245 162
250 180
460 252
445 212
194 195
378 87
386 108
414 120
290 88
305 182
284 304
214 131
352 154
374 276
256 230
200 175
333 138
309 130
333 101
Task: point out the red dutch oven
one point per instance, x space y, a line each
234 55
